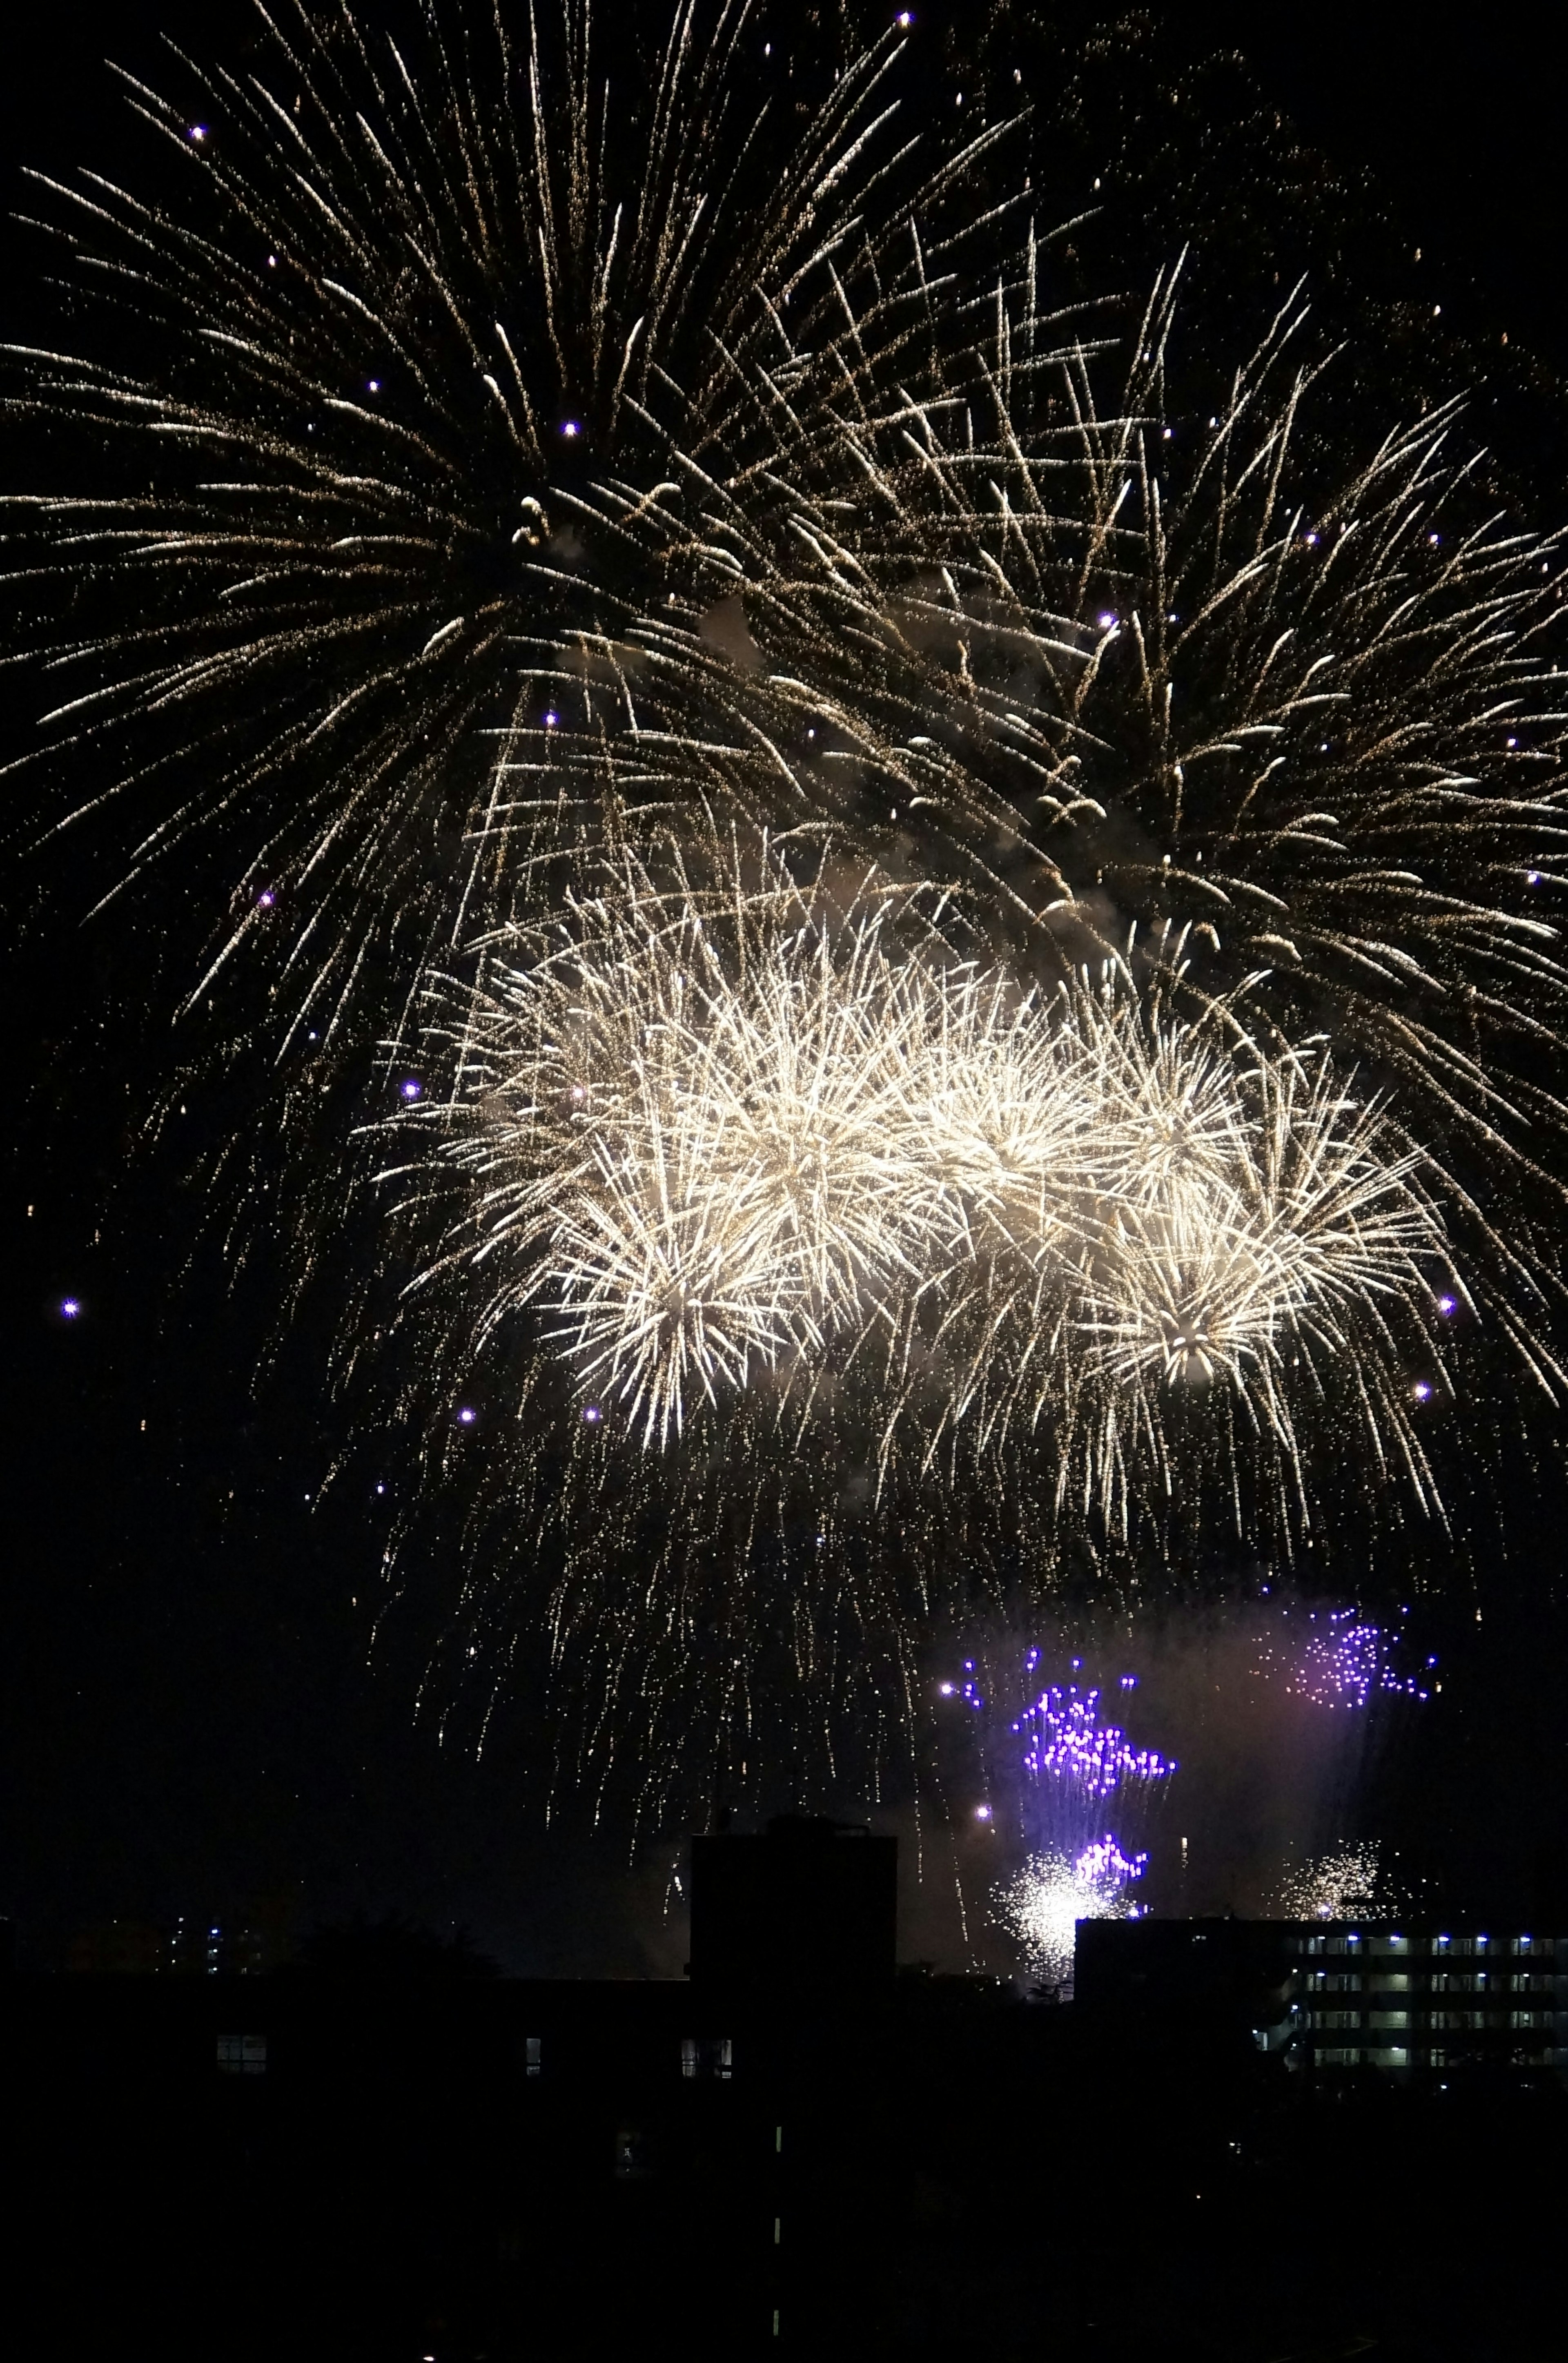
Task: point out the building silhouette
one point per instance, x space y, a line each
799 2149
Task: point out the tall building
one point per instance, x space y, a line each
1410 1997
805 1903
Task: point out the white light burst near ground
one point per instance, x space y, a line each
1042 1906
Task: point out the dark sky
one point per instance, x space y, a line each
188 1722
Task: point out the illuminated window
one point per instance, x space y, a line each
533 2055
631 2153
710 2057
242 2055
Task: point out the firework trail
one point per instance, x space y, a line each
513 496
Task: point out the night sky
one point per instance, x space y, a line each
191 1720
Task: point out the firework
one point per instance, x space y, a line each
1069 1745
1044 1903
718 1147
1051 1792
1347 1662
1346 1880
972 903
417 420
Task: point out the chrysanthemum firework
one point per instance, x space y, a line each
418 412
717 1148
